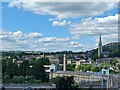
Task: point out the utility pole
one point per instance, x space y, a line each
102 82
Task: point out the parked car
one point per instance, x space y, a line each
3 88
28 88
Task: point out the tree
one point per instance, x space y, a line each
79 68
18 79
113 72
96 69
4 66
44 61
25 66
63 82
119 66
39 71
11 69
20 70
6 79
34 81
113 62
55 80
70 67
86 68
94 57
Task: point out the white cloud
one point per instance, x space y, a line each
105 26
63 0
61 23
21 41
109 19
53 39
11 41
16 40
64 9
34 35
74 44
59 44
107 38
17 34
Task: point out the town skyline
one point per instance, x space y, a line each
51 27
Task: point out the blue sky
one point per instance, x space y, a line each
15 19
57 26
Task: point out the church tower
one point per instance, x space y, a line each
99 46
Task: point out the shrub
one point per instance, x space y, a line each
18 79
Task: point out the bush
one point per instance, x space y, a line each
30 77
113 72
63 82
18 79
70 67
96 69
6 79
86 68
34 81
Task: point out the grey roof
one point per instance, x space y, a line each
84 73
74 73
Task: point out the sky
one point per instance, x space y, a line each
57 26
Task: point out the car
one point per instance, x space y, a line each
28 88
3 88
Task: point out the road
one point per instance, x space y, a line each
33 88
14 88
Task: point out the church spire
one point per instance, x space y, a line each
99 46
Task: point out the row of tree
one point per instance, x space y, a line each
20 79
14 72
64 82
83 67
93 68
88 67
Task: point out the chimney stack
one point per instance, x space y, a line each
64 62
43 55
